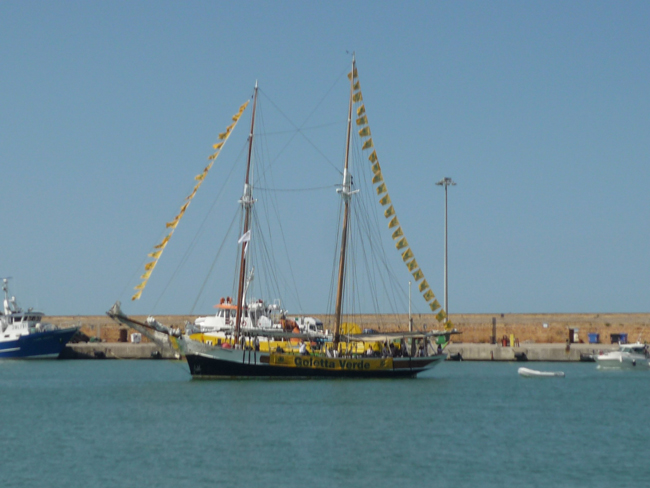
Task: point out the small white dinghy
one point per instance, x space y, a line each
531 373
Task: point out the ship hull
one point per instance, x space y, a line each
39 345
223 363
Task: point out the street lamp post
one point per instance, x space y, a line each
446 182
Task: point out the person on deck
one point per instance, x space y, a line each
303 348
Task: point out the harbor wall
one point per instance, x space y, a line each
475 328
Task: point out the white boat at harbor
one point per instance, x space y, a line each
628 356
532 373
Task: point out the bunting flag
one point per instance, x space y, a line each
411 265
223 137
406 255
389 213
365 132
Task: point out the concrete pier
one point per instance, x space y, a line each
468 352
526 352
115 350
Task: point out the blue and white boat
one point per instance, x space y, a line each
23 334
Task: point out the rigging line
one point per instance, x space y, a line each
207 276
279 132
296 189
286 250
299 128
198 233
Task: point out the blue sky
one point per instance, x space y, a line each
538 110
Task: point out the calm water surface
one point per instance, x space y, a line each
146 423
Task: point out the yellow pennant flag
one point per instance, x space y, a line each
377 178
362 120
368 144
424 285
141 285
406 255
411 265
441 316
434 305
373 157
398 233
390 211
428 296
393 223
172 225
385 200
402 243
365 132
357 97
350 74
357 86
361 110
381 189
418 275
376 168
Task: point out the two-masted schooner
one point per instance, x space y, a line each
273 350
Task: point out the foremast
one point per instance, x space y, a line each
346 194
247 202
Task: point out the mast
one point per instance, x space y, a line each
346 194
246 202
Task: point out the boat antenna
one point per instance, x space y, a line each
346 195
247 203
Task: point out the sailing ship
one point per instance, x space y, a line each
23 334
251 344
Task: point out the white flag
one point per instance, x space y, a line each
245 238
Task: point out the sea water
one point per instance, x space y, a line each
147 423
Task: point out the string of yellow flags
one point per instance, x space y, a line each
398 234
158 248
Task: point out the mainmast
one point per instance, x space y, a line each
246 202
346 193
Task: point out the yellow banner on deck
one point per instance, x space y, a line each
338 364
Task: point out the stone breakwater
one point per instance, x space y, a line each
475 328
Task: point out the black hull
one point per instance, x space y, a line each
204 366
